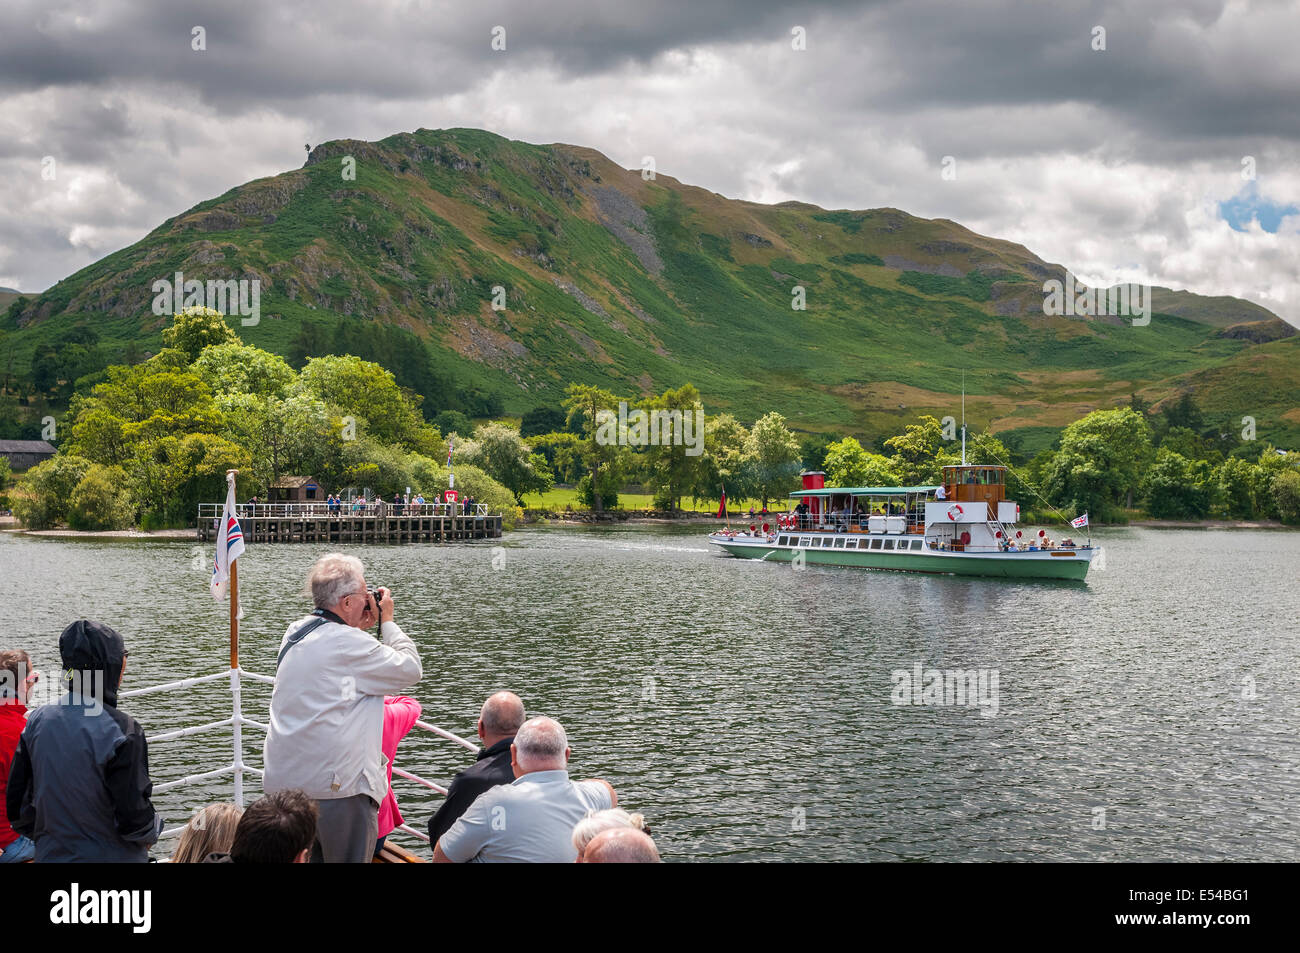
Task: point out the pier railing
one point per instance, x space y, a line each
344 510
237 768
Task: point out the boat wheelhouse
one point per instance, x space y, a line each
964 526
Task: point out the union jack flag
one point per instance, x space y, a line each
1081 522
230 543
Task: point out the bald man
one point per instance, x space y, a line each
621 845
499 719
531 820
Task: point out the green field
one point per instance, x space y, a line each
559 498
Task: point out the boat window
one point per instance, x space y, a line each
875 544
839 543
917 544
805 541
783 540
889 544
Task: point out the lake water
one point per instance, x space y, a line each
747 709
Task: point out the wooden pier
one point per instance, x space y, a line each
314 523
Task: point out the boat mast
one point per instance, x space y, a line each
963 418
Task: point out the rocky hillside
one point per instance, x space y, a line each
601 276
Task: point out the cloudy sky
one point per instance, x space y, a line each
1169 156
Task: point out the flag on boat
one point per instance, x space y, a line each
230 543
451 441
722 507
1081 522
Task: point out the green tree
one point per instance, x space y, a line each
41 498
541 420
915 452
812 450
1100 462
503 455
453 421
676 459
291 435
100 500
1240 483
366 391
848 464
773 453
589 408
195 328
1178 488
1285 491
726 461
563 454
240 368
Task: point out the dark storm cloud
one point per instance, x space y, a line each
1057 143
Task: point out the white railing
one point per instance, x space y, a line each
344 510
237 768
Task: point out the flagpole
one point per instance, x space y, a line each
237 714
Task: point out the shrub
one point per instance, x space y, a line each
43 494
1286 496
101 501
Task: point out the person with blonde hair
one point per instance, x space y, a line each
597 822
211 830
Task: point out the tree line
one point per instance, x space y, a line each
148 442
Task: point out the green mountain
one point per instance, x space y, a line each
638 285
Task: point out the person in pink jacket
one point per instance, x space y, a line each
400 713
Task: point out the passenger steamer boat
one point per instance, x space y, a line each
966 527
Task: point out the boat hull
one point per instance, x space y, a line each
1056 564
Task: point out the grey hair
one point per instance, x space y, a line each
502 714
597 822
622 845
334 576
540 740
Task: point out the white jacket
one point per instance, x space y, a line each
327 710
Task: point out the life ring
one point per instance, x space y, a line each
960 511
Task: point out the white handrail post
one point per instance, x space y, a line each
239 738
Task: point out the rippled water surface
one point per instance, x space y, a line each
1150 713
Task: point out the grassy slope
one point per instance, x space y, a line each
436 219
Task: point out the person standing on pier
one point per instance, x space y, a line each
327 708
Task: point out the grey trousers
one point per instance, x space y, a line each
346 830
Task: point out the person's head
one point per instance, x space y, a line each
338 583
500 718
17 676
621 845
278 828
540 745
597 822
94 659
210 831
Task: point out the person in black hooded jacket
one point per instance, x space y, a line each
79 785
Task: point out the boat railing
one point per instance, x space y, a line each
344 510
237 767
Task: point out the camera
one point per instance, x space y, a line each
373 595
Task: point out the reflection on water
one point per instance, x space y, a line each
745 707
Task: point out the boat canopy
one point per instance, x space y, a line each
864 491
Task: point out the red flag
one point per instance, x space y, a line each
722 507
